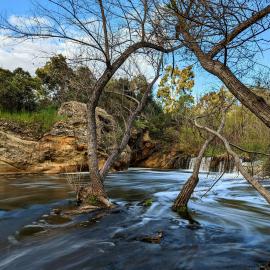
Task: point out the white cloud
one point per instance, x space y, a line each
31 54
15 53
27 21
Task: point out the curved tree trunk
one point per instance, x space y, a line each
256 104
96 190
188 188
184 196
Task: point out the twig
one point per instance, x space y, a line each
213 184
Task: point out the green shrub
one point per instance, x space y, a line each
44 118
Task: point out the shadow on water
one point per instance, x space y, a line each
228 228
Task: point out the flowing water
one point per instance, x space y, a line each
229 228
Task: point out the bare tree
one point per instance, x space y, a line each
119 147
224 35
102 34
184 196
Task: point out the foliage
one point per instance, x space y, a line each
33 101
174 89
93 200
61 83
18 90
266 167
55 76
148 202
44 118
214 101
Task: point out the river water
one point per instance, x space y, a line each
229 228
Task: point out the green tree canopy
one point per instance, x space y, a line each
62 83
174 90
18 90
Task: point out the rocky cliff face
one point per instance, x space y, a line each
151 154
62 149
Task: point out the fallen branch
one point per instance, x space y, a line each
213 185
248 151
262 190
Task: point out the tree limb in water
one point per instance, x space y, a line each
213 184
262 190
188 188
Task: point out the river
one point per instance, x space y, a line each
229 228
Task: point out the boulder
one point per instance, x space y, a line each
64 147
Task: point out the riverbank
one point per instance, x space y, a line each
63 147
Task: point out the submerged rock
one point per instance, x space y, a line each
265 266
29 230
153 239
57 219
81 210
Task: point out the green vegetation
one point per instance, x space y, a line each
32 101
18 90
173 127
93 200
148 202
43 119
175 89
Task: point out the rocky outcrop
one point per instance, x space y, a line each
151 154
15 153
63 148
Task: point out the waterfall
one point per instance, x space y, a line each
191 163
205 164
215 164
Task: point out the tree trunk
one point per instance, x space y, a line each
96 187
183 197
122 145
249 99
95 190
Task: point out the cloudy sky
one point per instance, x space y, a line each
30 55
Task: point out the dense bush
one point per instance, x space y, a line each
17 91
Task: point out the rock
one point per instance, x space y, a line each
64 147
265 266
56 211
29 230
81 210
16 154
154 239
142 147
57 219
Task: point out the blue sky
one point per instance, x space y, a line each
23 55
18 7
